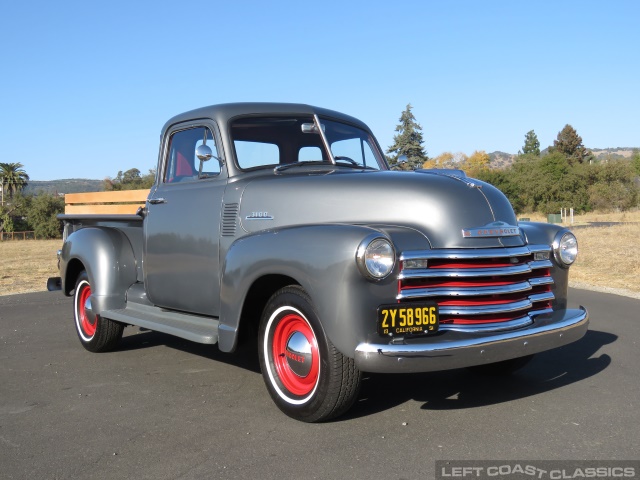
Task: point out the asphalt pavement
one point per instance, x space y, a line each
164 408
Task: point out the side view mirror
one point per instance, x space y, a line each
402 159
311 128
204 153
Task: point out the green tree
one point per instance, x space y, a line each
6 222
130 180
531 144
476 163
408 141
12 214
13 178
546 184
635 161
503 180
569 143
444 160
42 215
612 186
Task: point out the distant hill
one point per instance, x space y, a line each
503 160
69 185
617 153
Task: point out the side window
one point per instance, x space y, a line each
182 165
357 149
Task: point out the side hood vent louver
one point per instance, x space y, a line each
229 219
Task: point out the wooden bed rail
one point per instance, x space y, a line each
105 203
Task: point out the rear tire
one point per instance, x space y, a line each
506 367
96 334
306 376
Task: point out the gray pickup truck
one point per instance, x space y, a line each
285 220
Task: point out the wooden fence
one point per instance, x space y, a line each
105 203
31 235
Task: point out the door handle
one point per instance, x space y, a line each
156 201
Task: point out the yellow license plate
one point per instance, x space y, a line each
416 318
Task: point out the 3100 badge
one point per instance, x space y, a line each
415 318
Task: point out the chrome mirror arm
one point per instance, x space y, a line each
325 142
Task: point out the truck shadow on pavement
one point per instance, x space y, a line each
245 357
462 389
448 390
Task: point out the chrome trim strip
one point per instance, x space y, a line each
539 248
474 272
538 281
458 349
469 253
541 297
464 272
444 173
464 291
490 327
486 309
536 264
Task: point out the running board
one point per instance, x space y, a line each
191 327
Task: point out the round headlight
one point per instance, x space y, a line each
566 249
376 257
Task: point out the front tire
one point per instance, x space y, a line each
306 376
96 334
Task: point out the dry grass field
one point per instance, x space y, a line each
25 265
609 257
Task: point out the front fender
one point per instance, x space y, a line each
322 259
107 256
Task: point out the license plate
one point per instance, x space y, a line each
417 318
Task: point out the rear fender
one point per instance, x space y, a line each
107 256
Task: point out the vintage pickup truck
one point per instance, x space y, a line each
285 220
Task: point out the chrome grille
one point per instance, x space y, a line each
480 289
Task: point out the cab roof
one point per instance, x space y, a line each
224 112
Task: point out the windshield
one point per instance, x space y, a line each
288 141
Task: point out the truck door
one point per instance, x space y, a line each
181 258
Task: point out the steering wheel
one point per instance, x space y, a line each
346 159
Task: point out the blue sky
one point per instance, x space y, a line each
85 87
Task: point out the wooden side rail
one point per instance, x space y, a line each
105 203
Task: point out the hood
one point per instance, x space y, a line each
437 205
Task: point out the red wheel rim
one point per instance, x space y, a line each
287 326
88 327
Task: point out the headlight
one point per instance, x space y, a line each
565 248
375 257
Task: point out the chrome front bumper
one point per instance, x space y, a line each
452 349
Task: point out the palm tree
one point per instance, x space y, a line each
13 177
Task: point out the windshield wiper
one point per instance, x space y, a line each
286 166
356 166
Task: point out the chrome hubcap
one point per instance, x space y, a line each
298 354
88 311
